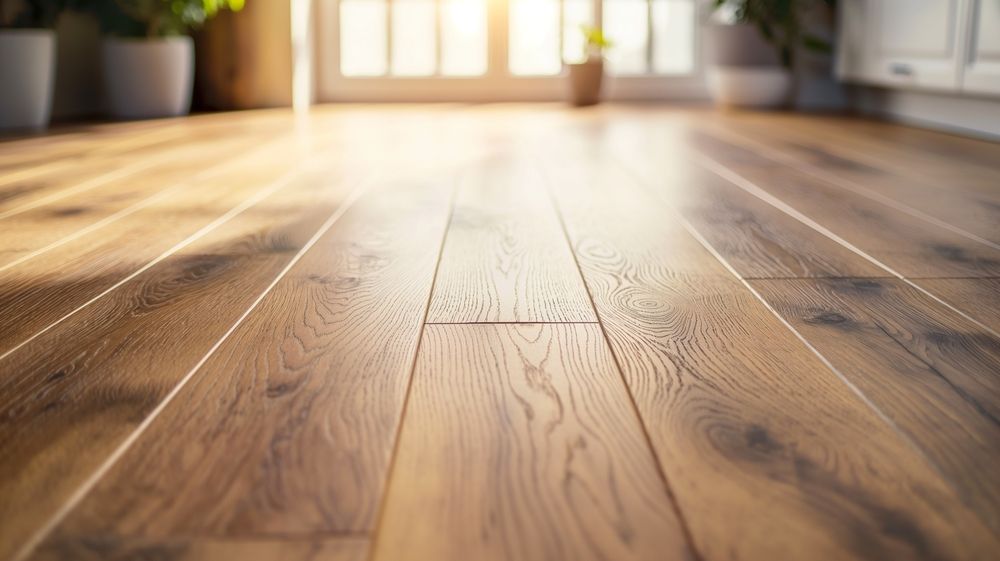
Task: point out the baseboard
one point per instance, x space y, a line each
965 115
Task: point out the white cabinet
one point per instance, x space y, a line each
915 42
982 65
944 45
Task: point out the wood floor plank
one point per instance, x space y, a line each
982 294
505 258
910 246
36 293
935 375
907 151
520 443
969 206
309 390
68 176
88 144
83 386
761 467
331 549
758 240
97 211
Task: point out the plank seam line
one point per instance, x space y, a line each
963 394
336 535
106 466
527 322
394 454
821 278
86 185
226 217
691 230
169 156
68 160
134 207
775 155
762 194
857 391
668 489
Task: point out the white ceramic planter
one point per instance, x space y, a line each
148 78
750 86
27 72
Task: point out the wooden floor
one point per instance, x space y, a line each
499 332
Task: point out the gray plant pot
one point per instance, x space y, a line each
148 78
744 70
738 45
585 80
27 69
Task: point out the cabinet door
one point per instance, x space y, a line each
982 71
852 41
915 42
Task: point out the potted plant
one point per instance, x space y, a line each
587 76
148 56
27 62
752 52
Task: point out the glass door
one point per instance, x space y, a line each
431 50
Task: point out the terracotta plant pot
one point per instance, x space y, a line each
585 80
148 78
27 69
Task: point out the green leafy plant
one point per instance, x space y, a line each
595 43
781 23
159 18
32 14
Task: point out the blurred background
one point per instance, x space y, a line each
929 62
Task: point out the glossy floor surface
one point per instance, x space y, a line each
499 332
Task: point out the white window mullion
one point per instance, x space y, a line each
650 37
438 25
388 37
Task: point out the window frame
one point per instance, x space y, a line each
497 84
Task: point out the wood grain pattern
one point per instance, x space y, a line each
953 163
333 549
758 240
309 389
69 177
730 399
980 298
912 247
971 206
690 423
520 443
931 372
84 385
38 292
505 258
96 210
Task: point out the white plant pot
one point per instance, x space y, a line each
148 78
27 72
750 86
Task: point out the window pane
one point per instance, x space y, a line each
625 24
413 23
534 37
576 13
673 36
463 37
362 37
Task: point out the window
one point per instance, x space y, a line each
500 46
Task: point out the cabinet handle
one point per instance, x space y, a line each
900 69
